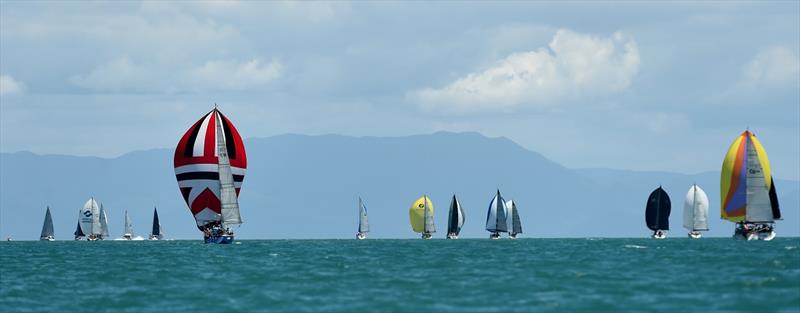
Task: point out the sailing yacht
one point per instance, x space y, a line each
748 191
47 229
363 223
103 223
210 164
496 221
455 220
657 213
516 225
128 235
695 211
79 235
421 217
89 219
155 233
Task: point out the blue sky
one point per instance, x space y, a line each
627 85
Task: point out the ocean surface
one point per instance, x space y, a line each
481 275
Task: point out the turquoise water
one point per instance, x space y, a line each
677 275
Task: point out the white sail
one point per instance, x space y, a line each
695 209
509 213
363 223
89 217
460 212
429 225
496 218
103 221
759 207
228 199
128 225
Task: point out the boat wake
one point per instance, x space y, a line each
635 247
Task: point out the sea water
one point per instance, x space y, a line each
526 275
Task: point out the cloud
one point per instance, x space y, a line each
574 65
124 75
10 86
232 75
774 66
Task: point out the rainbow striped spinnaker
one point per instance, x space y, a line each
747 190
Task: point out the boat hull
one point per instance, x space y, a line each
659 235
224 239
361 236
695 235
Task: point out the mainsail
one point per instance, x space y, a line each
421 215
746 186
210 164
78 232
496 217
128 225
455 220
103 221
156 231
695 209
516 224
47 228
363 223
90 218
658 209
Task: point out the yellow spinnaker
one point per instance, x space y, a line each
416 213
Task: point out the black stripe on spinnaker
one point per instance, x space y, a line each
188 151
205 175
229 144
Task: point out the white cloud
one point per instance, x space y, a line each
772 67
233 75
9 86
574 65
120 74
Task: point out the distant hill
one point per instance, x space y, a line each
301 186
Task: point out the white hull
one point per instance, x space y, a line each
661 235
452 237
695 235
361 236
427 236
49 238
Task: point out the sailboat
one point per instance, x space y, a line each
421 216
47 228
516 225
657 213
496 221
210 164
155 233
78 232
455 220
748 191
363 223
103 223
695 211
89 218
128 235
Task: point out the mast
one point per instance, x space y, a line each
47 228
228 200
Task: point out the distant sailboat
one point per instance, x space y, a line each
90 220
128 235
363 223
421 216
47 228
657 213
695 211
455 220
516 224
103 222
748 191
496 221
155 233
78 232
210 163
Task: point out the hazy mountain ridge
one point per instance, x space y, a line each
300 186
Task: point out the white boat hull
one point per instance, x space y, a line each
452 237
361 236
695 235
659 235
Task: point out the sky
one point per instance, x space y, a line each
648 85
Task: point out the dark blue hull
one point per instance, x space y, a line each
225 239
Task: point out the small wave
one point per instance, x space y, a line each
635 247
273 254
790 247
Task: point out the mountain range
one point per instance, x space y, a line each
300 186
